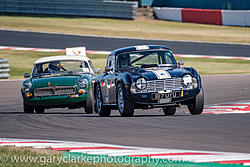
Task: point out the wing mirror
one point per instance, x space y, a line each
108 68
26 75
97 70
85 70
180 63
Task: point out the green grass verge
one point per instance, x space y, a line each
28 157
153 29
217 66
22 61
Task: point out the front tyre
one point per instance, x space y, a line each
27 108
169 110
89 107
39 110
100 109
197 104
125 107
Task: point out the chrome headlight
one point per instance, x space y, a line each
83 83
27 86
141 83
187 80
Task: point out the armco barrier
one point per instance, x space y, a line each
173 14
205 16
4 69
92 8
199 4
236 18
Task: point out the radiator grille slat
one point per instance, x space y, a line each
166 84
54 91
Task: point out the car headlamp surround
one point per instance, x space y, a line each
83 82
195 83
187 80
27 86
141 83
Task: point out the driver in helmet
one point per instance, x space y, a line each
53 67
124 61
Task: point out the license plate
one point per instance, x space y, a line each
156 96
165 100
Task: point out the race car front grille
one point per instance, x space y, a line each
54 91
161 85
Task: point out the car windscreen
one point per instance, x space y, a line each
60 67
145 59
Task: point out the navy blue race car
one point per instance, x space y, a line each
146 77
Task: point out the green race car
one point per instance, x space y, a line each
59 82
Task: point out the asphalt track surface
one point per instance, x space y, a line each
59 41
147 128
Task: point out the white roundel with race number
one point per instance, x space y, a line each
161 74
77 51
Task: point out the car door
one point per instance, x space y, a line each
108 81
112 85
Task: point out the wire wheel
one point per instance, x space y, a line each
101 110
120 100
126 107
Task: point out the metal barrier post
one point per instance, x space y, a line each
4 69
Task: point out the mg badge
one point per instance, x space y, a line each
53 88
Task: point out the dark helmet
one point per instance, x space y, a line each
124 60
55 66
